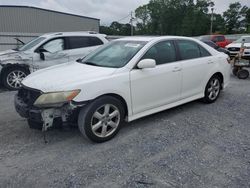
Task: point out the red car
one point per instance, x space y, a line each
220 40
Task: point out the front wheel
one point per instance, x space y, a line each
213 89
12 77
101 120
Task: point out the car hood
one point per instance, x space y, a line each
13 56
68 76
237 45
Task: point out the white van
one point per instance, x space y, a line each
44 51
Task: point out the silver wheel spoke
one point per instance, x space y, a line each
104 131
112 124
97 126
114 114
210 89
97 115
106 109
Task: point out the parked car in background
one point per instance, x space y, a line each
220 40
234 48
125 80
216 47
44 51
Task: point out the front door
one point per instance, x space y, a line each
155 87
51 53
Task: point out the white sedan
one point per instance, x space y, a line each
124 80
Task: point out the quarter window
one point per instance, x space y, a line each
162 52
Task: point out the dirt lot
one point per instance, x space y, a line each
195 145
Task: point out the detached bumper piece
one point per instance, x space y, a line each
48 117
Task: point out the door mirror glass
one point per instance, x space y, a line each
146 64
42 56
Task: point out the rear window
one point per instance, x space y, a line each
191 50
219 39
82 42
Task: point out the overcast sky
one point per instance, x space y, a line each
106 10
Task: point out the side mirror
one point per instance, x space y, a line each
42 56
146 64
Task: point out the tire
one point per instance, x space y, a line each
243 74
98 125
235 71
35 125
17 73
213 89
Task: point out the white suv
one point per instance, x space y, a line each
44 51
126 79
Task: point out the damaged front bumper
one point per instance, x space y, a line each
68 113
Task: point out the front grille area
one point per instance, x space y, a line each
233 49
28 96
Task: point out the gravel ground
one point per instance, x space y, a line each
194 145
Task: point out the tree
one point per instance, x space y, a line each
233 17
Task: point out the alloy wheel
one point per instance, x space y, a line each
15 78
214 89
105 120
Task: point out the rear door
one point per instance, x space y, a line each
80 46
196 62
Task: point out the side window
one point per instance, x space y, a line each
78 42
162 52
204 52
188 49
94 41
53 46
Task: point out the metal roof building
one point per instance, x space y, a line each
27 19
26 22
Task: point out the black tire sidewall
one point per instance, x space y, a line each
86 113
235 71
239 74
7 72
206 98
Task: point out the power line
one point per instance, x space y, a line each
123 18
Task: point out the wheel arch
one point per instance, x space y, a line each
220 75
8 66
120 98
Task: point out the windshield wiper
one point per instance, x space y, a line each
91 63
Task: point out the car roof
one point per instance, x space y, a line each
153 38
81 33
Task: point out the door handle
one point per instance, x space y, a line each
177 69
210 62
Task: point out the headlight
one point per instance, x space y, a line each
56 99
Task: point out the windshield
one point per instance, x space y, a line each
31 44
116 54
247 40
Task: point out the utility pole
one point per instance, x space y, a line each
131 23
212 20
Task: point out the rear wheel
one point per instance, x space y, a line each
12 77
213 89
243 74
101 120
